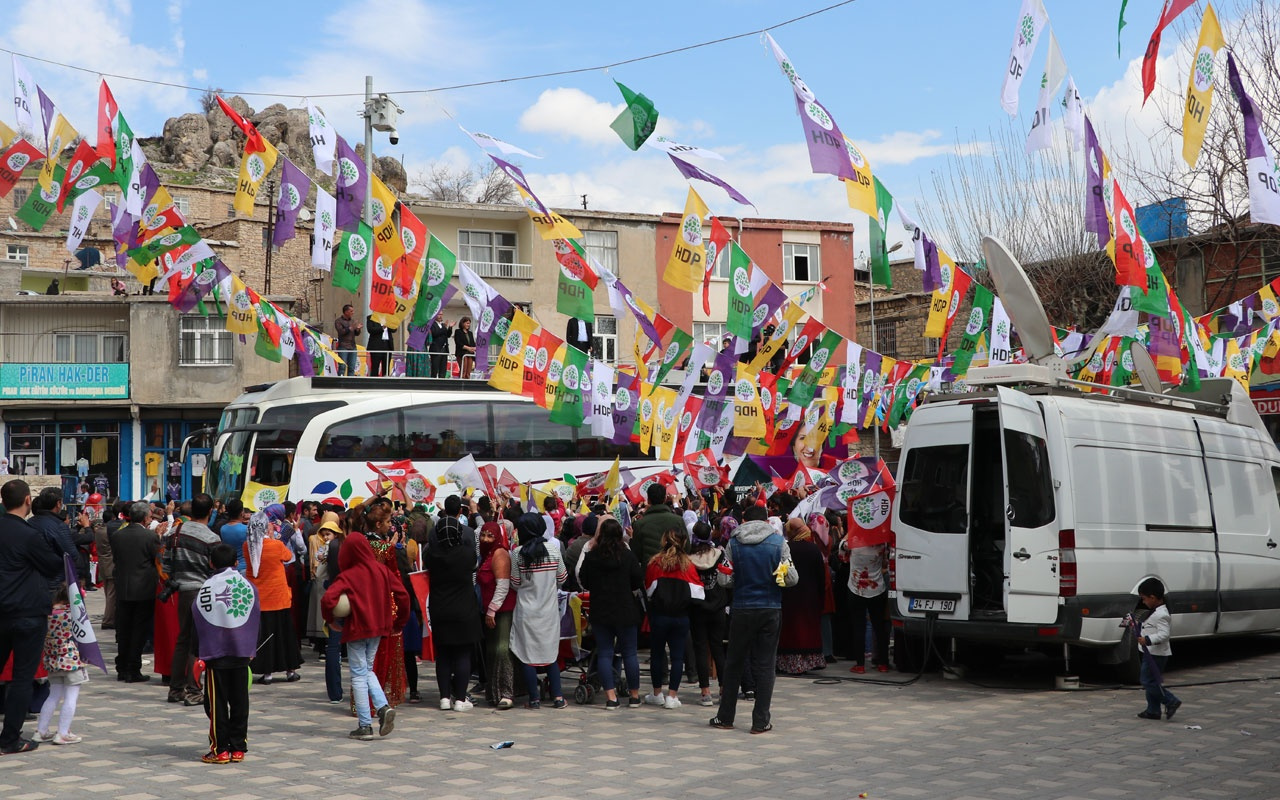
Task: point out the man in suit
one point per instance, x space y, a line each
380 346
27 563
578 334
135 547
441 335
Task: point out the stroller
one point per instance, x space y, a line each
585 662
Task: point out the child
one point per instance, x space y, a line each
66 673
1157 629
226 616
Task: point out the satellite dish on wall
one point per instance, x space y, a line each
304 214
13 224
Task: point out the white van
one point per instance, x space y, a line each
1030 517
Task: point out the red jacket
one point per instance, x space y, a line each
379 603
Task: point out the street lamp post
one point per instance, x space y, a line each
871 298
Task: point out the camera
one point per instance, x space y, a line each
393 136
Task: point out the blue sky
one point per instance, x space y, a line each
901 77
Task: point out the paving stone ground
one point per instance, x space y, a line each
930 739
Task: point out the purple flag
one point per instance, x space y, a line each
1163 341
417 339
1095 204
86 639
932 275
769 304
226 616
294 185
199 286
827 151
1260 167
624 414
646 324
517 176
350 187
124 232
47 110
736 445
307 350
724 372
693 172
870 376
497 308
148 183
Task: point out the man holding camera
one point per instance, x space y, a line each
187 563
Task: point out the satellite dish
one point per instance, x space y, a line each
13 224
1145 368
304 214
1020 300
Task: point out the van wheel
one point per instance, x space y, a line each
979 656
1128 669
909 651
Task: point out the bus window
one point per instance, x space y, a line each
447 431
522 430
288 422
373 436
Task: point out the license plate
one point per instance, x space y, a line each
931 604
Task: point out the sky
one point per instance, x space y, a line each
906 79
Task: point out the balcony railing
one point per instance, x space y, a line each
493 269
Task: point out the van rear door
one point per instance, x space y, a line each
1031 530
931 517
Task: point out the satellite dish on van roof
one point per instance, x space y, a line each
1020 300
1145 368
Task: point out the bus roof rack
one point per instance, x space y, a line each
402 384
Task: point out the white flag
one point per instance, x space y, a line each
288 345
464 474
602 400
24 99
488 142
852 376
133 195
1123 319
323 139
1031 19
81 215
676 149
1001 328
196 252
474 290
326 225
1073 115
1055 72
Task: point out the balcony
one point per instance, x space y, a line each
493 269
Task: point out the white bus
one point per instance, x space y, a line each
304 438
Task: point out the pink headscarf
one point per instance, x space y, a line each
821 529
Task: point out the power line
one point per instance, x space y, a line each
475 84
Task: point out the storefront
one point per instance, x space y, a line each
164 475
84 452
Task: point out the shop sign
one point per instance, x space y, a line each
64 381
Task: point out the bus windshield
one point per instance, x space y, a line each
224 476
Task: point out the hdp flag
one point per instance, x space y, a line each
748 413
574 296
602 401
351 183
1195 118
24 97
1171 9
385 236
745 282
107 110
323 139
626 402
86 639
159 245
82 159
242 308
413 238
1264 179
508 372
860 190
870 511
685 265
693 172
567 409
437 280
61 135
294 186
354 254
637 121
979 321
1097 170
267 342
257 160
824 348
226 614
1031 20
41 203
880 273
827 150
19 155
325 228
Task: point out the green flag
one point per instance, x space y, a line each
567 409
904 394
41 202
741 295
160 245
267 342
353 256
680 344
1123 5
574 298
124 152
979 321
637 121
441 264
880 275
1155 300
802 390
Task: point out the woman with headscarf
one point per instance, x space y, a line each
612 574
278 649
389 549
822 533
378 605
707 619
455 617
318 547
537 573
498 601
800 643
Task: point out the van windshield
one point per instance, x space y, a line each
935 489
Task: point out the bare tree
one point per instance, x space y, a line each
467 184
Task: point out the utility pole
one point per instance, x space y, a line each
271 234
584 202
366 288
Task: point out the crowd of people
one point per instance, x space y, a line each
723 590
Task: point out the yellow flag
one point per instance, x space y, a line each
613 481
61 135
860 189
648 407
553 377
254 168
1268 305
1200 87
508 373
665 422
7 135
685 265
886 369
748 412
940 301
386 237
404 302
791 314
1235 363
550 225
638 346
242 314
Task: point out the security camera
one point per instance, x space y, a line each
393 136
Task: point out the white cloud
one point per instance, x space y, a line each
573 114
905 147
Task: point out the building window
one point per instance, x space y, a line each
710 333
604 339
603 247
266 238
231 211
16 252
487 247
114 198
722 264
89 348
203 341
19 197
1270 262
800 263
183 205
886 337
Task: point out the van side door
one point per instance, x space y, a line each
1031 532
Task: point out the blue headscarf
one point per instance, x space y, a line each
533 548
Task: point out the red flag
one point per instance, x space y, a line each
107 110
719 237
869 512
548 344
1172 8
83 158
662 326
574 263
413 233
638 492
20 155
1130 259
812 331
254 143
692 407
382 286
959 288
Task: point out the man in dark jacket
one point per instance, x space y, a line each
49 517
188 565
646 535
27 563
381 343
135 547
441 335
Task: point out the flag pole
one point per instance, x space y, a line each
366 288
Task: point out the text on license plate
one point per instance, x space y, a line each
931 604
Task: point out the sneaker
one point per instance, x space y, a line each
415 698
446 704
1148 715
335 702
1172 709
237 756
193 700
634 702
858 669
216 758
750 694
765 729
533 705
829 659
655 700
42 737
612 705
292 677
462 705
68 738
364 733
386 720
882 667
716 722
560 703
174 697
706 700
505 703
671 702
